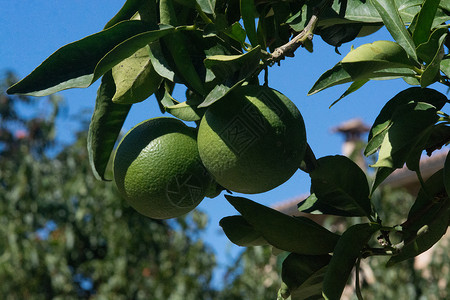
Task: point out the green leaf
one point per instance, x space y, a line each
106 122
313 205
445 65
126 12
241 66
336 35
240 232
395 25
428 49
384 119
347 250
356 85
135 78
381 174
430 201
408 124
303 275
447 174
176 43
355 72
382 54
73 65
186 112
330 183
236 32
248 18
159 62
128 48
425 21
426 236
431 72
207 6
299 235
237 67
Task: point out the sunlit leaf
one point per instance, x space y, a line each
409 122
394 23
73 65
135 78
384 119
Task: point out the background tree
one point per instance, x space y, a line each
64 234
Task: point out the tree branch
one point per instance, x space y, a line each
307 33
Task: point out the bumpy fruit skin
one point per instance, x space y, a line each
157 169
252 140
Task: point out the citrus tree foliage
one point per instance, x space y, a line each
212 47
66 235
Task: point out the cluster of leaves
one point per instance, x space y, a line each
64 234
212 47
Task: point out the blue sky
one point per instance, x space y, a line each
32 30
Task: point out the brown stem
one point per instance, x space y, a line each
290 47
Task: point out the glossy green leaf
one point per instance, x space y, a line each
241 66
240 232
128 48
237 67
347 250
395 25
248 18
381 53
73 65
409 122
159 62
126 12
425 21
355 72
299 235
106 123
186 112
384 119
330 183
303 275
135 78
336 35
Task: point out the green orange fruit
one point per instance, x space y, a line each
252 140
157 169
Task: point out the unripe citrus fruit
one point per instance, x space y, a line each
157 169
252 140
